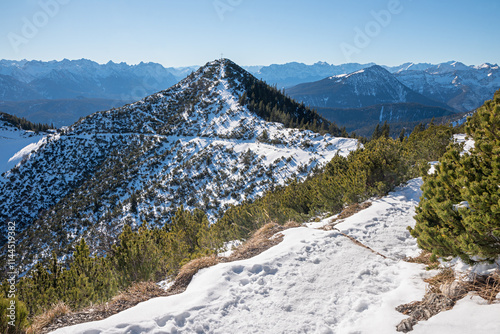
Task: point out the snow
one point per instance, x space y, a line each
229 247
464 139
15 144
314 281
470 315
26 150
463 269
200 149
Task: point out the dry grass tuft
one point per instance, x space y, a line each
263 239
188 270
291 224
486 286
346 213
354 208
424 258
445 276
136 293
48 317
62 317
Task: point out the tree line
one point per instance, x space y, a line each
24 124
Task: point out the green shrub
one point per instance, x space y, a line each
459 212
13 315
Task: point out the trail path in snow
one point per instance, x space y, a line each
314 281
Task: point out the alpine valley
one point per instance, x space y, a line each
215 139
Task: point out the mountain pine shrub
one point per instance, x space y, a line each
459 212
13 321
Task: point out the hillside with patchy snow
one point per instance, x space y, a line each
194 144
314 281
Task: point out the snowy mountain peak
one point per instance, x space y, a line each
369 86
486 66
199 144
447 67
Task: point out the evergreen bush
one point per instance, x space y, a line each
459 212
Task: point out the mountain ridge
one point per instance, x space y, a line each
71 79
363 88
195 144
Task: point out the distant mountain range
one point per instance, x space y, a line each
458 86
363 88
291 74
45 91
461 87
60 92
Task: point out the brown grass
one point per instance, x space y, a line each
486 286
352 209
40 321
291 224
446 275
264 238
260 241
424 258
134 295
188 270
346 213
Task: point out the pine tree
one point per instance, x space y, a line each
459 213
385 131
402 135
377 132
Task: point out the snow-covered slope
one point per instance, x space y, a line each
193 145
366 87
462 87
291 74
314 281
15 145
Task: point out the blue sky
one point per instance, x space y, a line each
251 32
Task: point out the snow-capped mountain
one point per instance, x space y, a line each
461 87
366 87
399 115
61 92
195 144
291 74
408 67
74 78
